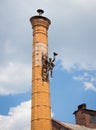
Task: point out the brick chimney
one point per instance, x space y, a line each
85 117
41 106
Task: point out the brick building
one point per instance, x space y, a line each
85 120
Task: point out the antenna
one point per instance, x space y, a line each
40 11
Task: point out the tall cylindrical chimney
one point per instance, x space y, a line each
41 108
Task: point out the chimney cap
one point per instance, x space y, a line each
40 11
82 106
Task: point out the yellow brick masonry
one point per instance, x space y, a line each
41 109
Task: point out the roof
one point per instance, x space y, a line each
70 126
76 127
87 111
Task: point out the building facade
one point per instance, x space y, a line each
85 116
85 120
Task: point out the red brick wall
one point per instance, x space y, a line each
84 119
89 123
80 118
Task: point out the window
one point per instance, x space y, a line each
93 119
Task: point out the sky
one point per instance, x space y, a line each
72 34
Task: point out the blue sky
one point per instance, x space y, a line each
72 34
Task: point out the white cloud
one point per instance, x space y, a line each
88 80
52 114
85 4
75 37
19 118
89 86
15 78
